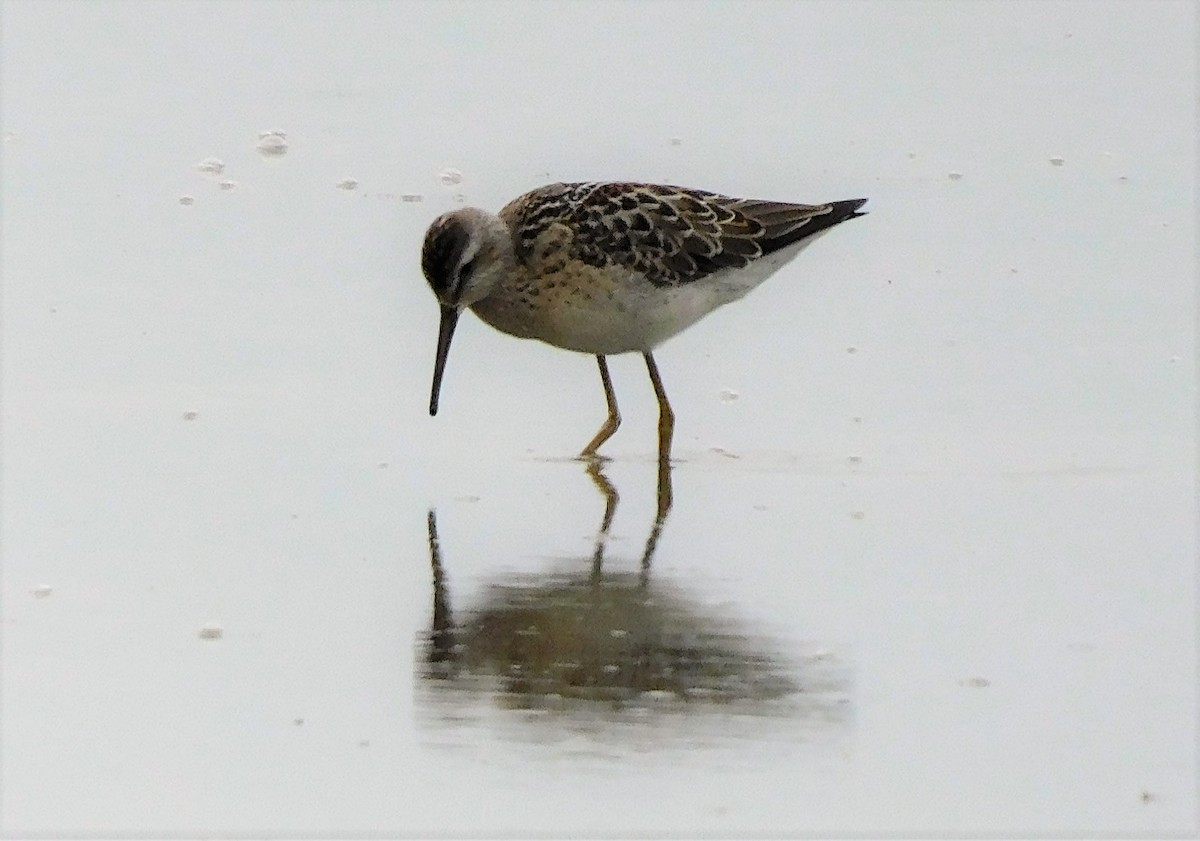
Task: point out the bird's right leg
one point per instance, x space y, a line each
614 416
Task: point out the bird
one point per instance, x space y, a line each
606 268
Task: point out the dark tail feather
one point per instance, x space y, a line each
839 212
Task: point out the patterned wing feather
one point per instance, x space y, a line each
672 235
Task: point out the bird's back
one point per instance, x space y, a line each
671 236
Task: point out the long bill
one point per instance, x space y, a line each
445 334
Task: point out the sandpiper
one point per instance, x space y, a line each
607 268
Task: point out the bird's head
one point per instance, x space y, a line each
466 255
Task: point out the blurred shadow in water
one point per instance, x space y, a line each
592 643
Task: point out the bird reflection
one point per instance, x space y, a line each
598 636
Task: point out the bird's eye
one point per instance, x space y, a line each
467 268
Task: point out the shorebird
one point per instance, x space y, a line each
608 268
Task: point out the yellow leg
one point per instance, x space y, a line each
614 417
666 429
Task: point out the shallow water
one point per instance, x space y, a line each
929 563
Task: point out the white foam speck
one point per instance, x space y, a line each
211 166
41 591
727 395
450 177
272 144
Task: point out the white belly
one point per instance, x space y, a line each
613 311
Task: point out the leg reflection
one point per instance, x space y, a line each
595 471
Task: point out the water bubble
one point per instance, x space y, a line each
450 176
211 166
227 185
272 144
41 591
211 631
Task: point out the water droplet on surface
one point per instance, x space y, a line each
955 176
450 176
41 591
211 166
211 631
272 144
187 201
1056 161
347 184
727 395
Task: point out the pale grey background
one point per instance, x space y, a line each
997 484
